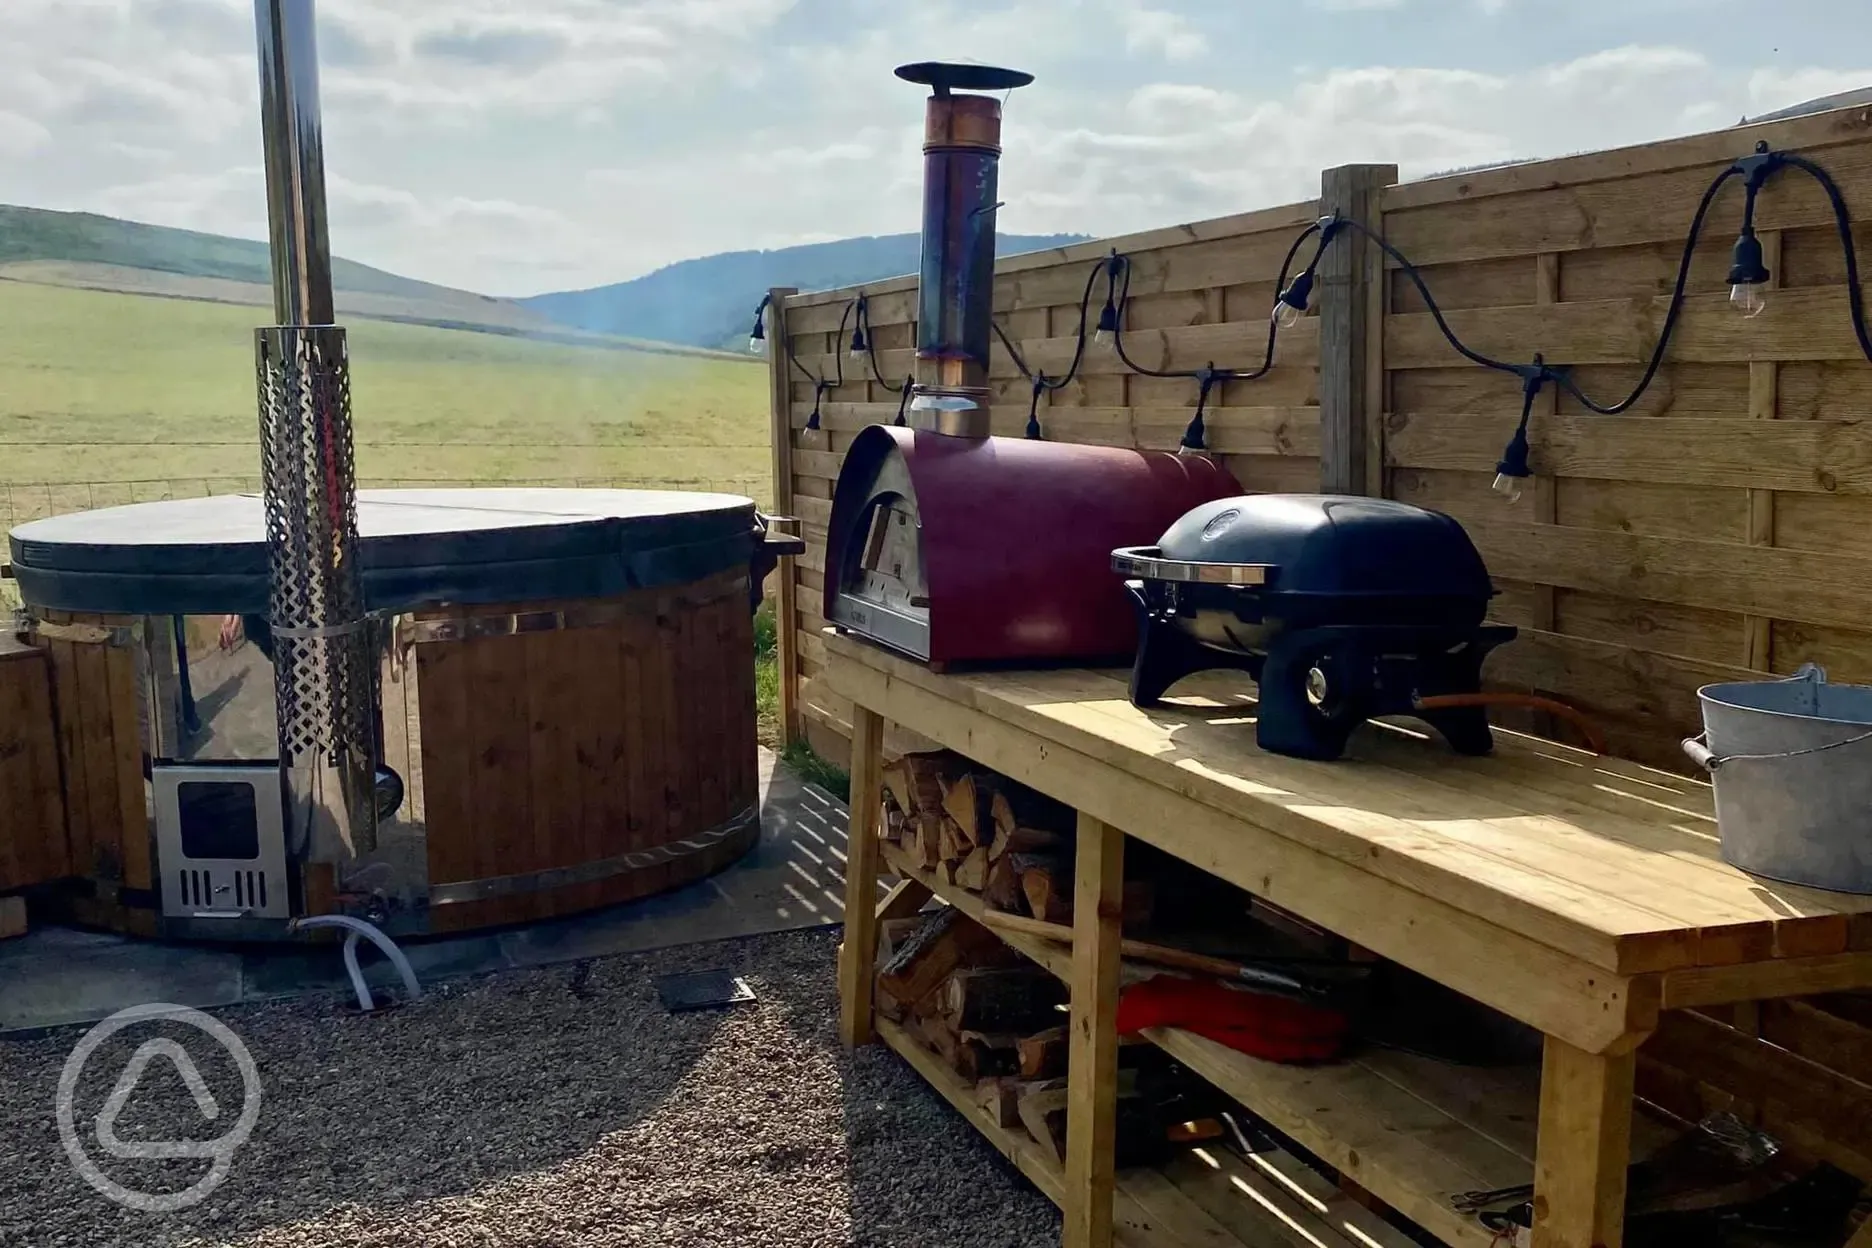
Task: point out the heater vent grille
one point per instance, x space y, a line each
323 674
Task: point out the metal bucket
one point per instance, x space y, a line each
1792 764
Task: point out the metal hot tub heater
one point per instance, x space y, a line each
953 546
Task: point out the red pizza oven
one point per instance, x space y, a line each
977 550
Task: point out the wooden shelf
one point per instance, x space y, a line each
1199 1199
1390 1140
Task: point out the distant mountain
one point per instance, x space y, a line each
710 302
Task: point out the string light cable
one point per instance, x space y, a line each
1747 276
1747 280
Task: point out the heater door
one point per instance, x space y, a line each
220 842
883 592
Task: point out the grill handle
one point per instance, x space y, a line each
1148 563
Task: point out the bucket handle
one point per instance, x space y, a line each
1704 757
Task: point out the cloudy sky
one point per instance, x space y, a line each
515 146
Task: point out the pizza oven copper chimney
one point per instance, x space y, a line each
961 159
324 678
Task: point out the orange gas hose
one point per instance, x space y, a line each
1595 739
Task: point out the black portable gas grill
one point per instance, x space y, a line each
1340 608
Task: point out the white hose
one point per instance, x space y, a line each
355 928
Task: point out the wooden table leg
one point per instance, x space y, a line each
1584 1148
1092 1051
858 953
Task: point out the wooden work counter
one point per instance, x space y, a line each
1579 895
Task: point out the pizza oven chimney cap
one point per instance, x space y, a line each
942 77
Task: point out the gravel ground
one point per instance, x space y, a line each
554 1107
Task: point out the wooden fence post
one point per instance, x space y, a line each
786 599
1351 340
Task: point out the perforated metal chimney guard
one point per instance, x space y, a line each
325 679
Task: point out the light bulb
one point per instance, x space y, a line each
1107 325
1748 298
755 344
1508 487
858 346
1286 316
1101 338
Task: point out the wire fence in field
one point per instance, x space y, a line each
20 502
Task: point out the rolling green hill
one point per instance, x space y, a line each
83 237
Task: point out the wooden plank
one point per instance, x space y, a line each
859 950
72 762
35 848
1783 977
130 810
1809 324
1764 377
442 690
1092 1059
1531 981
1585 1147
1595 201
786 638
1761 580
1376 1121
98 743
1828 1102
1349 272
1806 456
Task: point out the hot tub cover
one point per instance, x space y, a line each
419 548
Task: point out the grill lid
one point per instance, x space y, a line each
1333 544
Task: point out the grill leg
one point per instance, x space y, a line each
1166 655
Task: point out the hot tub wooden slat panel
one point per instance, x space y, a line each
602 776
133 811
442 696
34 845
72 754
99 745
608 739
501 818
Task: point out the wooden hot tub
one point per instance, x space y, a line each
567 692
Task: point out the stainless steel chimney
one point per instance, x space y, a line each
961 162
325 680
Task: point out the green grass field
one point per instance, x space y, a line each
158 394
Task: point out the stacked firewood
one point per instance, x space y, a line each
982 832
993 1018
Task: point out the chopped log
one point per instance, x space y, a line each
1048 891
1042 1110
1043 1054
946 940
946 869
1020 839
1000 1096
962 802
919 780
951 843
1002 890
987 1053
894 784
927 851
888 1005
891 826
891 935
942 1038
1014 999
972 874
